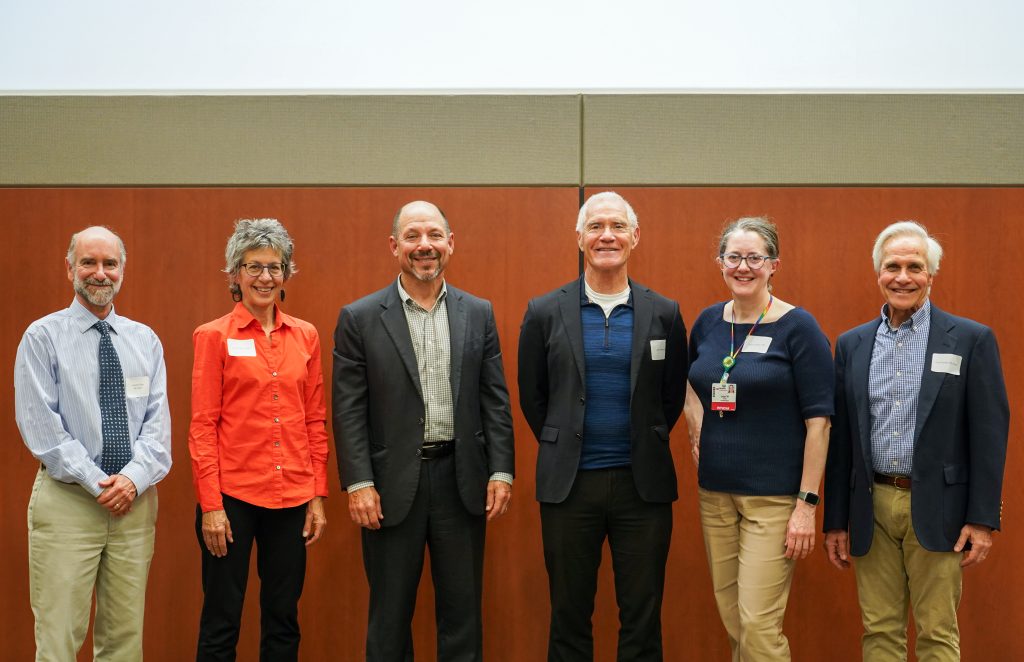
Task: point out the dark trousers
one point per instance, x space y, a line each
281 564
393 558
605 503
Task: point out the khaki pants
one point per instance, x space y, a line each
896 572
745 540
74 546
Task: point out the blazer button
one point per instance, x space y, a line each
422 421
419 452
582 399
579 435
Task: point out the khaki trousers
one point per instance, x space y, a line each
74 546
745 537
896 572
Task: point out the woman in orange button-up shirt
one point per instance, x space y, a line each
259 447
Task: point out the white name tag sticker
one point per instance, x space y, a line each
947 363
658 350
239 347
136 387
757 344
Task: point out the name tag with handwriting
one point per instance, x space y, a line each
757 344
239 347
136 387
947 363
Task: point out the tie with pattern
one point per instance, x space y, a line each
117 450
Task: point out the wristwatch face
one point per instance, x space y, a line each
809 497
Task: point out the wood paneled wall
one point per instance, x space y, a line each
511 244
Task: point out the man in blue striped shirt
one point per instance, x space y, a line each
102 445
915 462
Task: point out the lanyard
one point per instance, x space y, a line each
729 361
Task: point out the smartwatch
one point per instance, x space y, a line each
809 497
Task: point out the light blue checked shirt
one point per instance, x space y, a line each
56 397
894 384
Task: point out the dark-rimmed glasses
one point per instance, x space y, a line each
255 269
733 260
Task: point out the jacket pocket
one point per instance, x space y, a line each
549 434
955 473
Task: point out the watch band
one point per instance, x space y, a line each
809 497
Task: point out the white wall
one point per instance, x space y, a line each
529 45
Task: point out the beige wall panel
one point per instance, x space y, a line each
289 140
803 139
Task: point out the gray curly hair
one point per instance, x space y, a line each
253 234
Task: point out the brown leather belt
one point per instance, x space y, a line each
435 450
899 482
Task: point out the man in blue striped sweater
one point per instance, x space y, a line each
602 379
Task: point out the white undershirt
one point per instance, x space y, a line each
606 301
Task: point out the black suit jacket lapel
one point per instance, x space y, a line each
393 319
942 341
457 321
569 305
643 311
860 371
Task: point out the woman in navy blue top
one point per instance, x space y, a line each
758 403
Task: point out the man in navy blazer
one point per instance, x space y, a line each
424 435
602 379
915 463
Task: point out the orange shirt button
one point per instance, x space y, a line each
277 420
278 467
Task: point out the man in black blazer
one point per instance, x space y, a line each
602 379
424 437
915 463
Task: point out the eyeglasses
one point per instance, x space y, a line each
255 269
733 260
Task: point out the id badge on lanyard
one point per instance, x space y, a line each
723 396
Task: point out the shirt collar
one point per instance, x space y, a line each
405 297
917 319
85 319
242 318
585 300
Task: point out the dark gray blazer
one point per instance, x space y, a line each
959 439
552 390
378 405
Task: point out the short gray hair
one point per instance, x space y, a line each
74 244
933 249
606 196
253 234
762 226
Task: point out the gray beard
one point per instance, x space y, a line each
426 278
99 298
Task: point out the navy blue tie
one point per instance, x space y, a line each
117 448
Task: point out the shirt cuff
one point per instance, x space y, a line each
502 476
92 481
358 486
137 476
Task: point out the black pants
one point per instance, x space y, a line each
393 558
605 503
281 564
